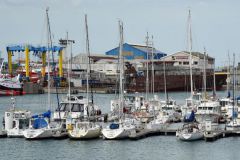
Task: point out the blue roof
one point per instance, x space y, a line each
136 51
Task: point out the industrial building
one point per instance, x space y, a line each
132 52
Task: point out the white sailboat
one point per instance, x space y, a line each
190 132
86 129
41 127
194 100
120 129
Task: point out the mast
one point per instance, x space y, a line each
190 50
214 80
121 86
152 69
88 61
50 45
204 75
165 82
147 77
228 75
234 87
69 70
48 56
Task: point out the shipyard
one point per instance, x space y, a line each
119 80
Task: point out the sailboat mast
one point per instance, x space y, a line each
121 86
48 56
152 69
69 70
87 50
190 50
204 75
228 75
234 86
165 82
147 77
214 80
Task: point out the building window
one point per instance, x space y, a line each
195 63
180 63
185 63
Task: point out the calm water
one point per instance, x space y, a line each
157 147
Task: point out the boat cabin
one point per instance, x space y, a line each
16 119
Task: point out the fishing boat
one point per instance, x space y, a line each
208 110
190 132
16 121
9 85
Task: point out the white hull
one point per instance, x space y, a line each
190 136
41 133
209 117
15 133
119 133
89 133
60 134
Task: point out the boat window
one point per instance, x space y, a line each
23 123
170 103
68 107
80 97
17 115
222 103
62 107
77 108
210 108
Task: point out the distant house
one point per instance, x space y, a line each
133 52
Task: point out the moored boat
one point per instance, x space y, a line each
190 132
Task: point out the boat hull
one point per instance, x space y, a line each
90 133
15 133
190 136
42 133
210 117
119 133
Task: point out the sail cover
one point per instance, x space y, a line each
39 123
45 114
189 117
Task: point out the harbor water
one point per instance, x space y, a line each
156 147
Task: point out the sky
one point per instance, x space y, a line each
215 24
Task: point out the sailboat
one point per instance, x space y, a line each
122 128
194 100
86 129
41 127
190 130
